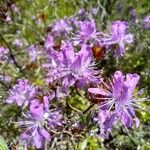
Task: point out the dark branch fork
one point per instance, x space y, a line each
11 55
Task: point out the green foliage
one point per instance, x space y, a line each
3 144
91 143
27 28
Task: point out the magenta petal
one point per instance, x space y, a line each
98 91
49 41
132 80
45 134
46 102
19 102
126 119
36 109
68 53
38 140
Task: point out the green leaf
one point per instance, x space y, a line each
83 145
3 144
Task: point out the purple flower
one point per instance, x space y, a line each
147 22
119 101
34 52
3 53
7 78
87 32
49 42
133 14
60 27
18 43
36 120
106 121
94 11
81 12
118 37
72 68
22 93
15 8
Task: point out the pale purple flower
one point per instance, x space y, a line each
34 52
82 12
87 32
106 121
15 8
8 18
72 68
7 78
49 42
61 27
119 101
133 14
94 11
18 42
3 53
22 93
118 37
36 120
147 22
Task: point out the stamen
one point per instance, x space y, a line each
140 100
106 103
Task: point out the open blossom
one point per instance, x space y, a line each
39 117
72 68
118 37
22 93
15 8
61 27
87 32
34 52
133 14
18 43
49 42
147 22
3 53
118 101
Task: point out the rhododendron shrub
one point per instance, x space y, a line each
68 66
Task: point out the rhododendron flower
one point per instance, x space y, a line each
72 68
87 32
34 52
119 100
15 8
37 118
118 37
18 43
94 11
133 14
22 93
61 27
3 53
105 119
147 22
49 43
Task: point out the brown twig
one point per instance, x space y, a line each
11 53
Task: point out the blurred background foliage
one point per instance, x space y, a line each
30 23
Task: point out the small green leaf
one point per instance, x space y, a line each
3 144
83 145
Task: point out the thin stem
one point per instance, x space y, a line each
130 137
75 109
11 53
2 83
